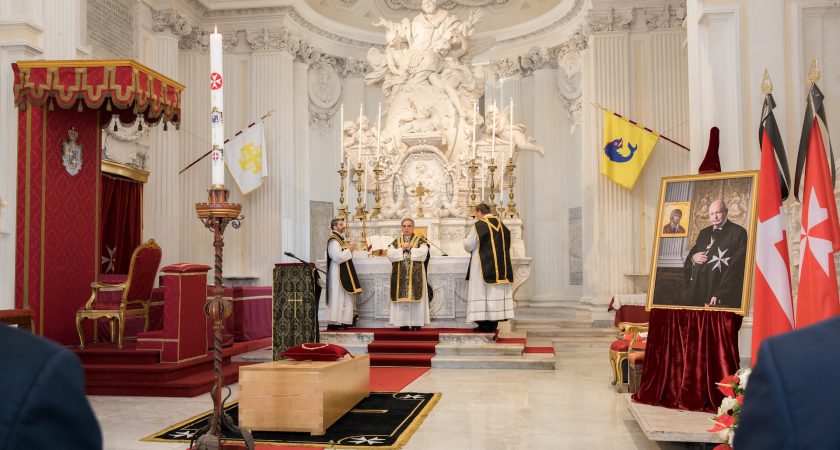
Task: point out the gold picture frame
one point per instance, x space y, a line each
707 265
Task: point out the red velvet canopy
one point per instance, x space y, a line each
126 85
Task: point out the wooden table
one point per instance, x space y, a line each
302 396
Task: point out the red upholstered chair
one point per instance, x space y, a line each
136 294
628 341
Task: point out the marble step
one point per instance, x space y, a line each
557 332
479 349
526 362
543 322
581 342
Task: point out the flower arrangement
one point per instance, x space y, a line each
726 421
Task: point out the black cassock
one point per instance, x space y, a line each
722 275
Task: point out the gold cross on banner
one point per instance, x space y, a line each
295 297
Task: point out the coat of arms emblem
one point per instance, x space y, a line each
71 153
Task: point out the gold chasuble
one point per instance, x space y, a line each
346 270
408 278
493 251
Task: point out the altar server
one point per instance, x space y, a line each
342 282
490 273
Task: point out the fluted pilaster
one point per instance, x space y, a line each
61 19
161 195
300 151
547 209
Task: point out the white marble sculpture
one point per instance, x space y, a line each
431 90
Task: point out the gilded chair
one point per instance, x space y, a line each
631 339
136 294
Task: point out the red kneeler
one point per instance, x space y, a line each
184 333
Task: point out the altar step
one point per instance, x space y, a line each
447 348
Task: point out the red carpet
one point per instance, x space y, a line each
109 371
393 379
396 348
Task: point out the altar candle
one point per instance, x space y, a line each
361 113
483 177
502 184
510 153
341 136
475 118
493 147
364 185
217 137
378 128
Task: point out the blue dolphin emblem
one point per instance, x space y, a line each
612 150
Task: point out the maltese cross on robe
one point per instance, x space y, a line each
719 259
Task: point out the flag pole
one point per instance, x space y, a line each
601 107
263 117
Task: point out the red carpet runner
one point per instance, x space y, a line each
403 348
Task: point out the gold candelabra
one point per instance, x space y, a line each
361 213
420 191
342 208
492 169
377 207
473 171
511 207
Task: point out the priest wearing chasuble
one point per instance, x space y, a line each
342 282
409 255
490 274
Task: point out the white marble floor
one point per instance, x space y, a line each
572 407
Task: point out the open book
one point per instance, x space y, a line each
379 242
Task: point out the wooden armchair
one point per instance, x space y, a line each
628 341
135 299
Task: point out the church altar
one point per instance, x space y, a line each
446 273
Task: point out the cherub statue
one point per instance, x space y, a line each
505 133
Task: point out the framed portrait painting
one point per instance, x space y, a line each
703 253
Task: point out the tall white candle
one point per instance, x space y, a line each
341 136
483 176
361 113
217 125
378 128
502 183
510 153
493 147
364 185
475 118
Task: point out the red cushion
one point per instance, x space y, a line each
620 345
315 351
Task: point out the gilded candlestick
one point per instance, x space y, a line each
342 208
492 169
420 191
473 167
511 208
377 207
361 213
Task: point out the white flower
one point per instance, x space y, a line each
731 436
727 404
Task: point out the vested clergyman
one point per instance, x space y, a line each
410 295
342 282
490 274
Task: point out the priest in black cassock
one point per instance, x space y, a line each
490 274
714 268
409 255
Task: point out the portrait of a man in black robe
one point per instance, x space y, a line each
714 268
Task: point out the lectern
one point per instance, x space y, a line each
295 296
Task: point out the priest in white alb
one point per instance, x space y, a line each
490 275
342 282
409 255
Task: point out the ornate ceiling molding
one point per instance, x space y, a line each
573 12
414 5
667 16
282 40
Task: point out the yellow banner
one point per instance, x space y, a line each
625 149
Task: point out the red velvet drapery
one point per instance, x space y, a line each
122 222
689 351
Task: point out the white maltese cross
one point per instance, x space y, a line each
718 259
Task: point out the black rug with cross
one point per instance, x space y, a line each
383 420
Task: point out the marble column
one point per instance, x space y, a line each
162 206
354 95
300 207
61 21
